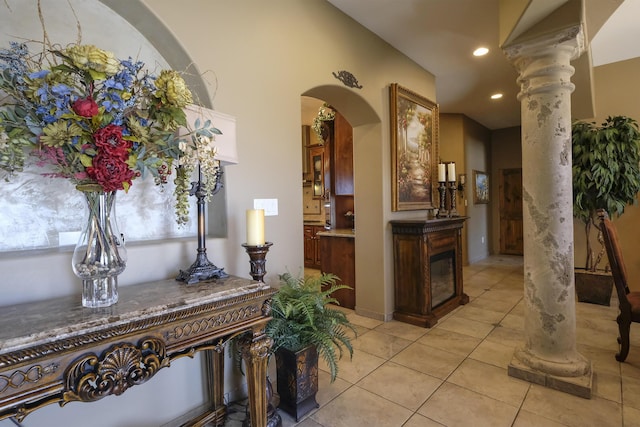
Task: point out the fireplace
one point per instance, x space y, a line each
427 269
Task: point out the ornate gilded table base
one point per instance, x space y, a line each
51 358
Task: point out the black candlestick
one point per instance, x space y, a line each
257 255
202 268
442 211
452 189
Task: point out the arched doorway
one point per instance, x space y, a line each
363 119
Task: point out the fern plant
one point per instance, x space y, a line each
302 317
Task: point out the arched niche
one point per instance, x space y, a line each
40 213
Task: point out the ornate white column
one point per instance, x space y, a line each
548 356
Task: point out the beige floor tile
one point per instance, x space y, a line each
597 338
474 290
631 366
360 408
513 321
488 303
603 360
379 344
527 419
506 336
401 385
355 369
493 353
631 417
328 390
465 326
481 315
631 392
364 321
454 406
572 410
402 330
450 341
428 360
418 420
507 295
491 381
607 386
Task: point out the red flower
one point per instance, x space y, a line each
85 107
110 172
109 140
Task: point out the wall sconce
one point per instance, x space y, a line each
461 182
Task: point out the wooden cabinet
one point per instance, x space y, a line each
316 163
337 256
312 246
342 157
427 257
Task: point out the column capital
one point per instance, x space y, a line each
570 39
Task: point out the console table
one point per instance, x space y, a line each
427 256
57 351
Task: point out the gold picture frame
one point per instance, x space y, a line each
480 187
414 149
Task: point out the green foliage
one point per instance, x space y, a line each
606 170
302 317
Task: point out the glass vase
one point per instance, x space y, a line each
100 254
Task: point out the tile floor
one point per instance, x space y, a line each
455 374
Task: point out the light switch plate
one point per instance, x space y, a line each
270 206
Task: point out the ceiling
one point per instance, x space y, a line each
440 35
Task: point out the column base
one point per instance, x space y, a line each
580 385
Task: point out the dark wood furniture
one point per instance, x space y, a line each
312 246
427 269
338 256
56 351
629 302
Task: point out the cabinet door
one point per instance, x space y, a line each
309 246
316 160
316 238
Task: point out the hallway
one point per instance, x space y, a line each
455 374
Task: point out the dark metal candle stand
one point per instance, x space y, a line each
452 189
202 268
442 210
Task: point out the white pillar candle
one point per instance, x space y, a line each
462 179
255 227
442 177
452 171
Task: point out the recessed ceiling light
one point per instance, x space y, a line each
481 51
496 96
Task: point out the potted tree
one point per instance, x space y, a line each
305 326
606 174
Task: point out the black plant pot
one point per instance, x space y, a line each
297 374
593 287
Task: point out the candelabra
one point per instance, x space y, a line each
442 210
452 189
257 259
202 268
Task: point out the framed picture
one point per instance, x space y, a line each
480 187
414 149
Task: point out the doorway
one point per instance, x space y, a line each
511 224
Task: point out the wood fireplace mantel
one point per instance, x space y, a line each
427 257
57 351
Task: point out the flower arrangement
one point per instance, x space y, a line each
97 120
325 113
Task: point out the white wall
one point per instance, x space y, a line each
259 59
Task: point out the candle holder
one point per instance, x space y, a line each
452 189
257 255
202 269
442 210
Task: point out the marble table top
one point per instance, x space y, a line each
40 322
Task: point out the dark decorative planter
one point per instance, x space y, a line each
594 287
297 380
